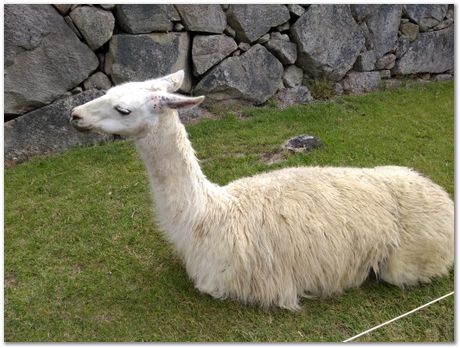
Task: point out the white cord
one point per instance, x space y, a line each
401 316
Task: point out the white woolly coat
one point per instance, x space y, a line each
309 231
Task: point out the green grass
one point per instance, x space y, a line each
85 262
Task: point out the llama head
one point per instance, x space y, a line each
130 109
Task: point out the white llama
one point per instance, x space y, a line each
275 237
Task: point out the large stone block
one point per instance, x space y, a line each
143 18
96 25
291 96
208 50
145 56
432 52
285 51
203 18
425 15
43 57
328 41
47 130
361 12
360 82
253 21
383 26
254 76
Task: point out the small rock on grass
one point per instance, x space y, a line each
302 143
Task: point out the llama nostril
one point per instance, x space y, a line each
74 116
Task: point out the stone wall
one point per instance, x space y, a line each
57 56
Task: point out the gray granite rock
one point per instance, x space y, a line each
383 26
47 130
292 76
338 89
367 36
409 30
450 12
361 12
385 74
254 76
143 18
108 7
63 8
98 80
178 27
302 143
444 24
432 52
194 114
290 96
244 46
403 46
253 21
146 56
328 41
264 39
230 31
443 77
43 58
209 18
208 50
426 76
94 24
283 27
72 26
360 82
391 83
285 51
386 62
278 36
296 10
426 15
365 61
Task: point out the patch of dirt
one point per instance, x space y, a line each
76 270
10 281
273 157
9 163
103 318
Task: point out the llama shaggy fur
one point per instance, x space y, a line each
275 237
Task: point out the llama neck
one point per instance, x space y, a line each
179 187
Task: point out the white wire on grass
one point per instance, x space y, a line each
401 316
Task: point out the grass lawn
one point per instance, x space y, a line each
85 262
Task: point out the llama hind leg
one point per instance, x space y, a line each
410 267
426 244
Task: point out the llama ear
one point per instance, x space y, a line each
175 101
172 82
169 83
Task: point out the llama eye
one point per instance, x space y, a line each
122 110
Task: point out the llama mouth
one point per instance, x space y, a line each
79 127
